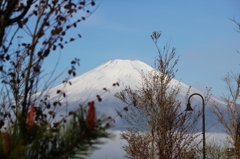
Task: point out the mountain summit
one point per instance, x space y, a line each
88 85
85 87
125 72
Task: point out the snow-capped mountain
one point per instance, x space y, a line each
85 87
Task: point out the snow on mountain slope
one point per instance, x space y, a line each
85 87
125 72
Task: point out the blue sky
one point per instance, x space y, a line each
201 31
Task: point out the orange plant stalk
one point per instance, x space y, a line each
30 117
91 116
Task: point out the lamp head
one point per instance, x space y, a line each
189 108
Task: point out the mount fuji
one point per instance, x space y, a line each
85 87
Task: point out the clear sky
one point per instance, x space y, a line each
201 31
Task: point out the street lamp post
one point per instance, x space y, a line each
189 108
